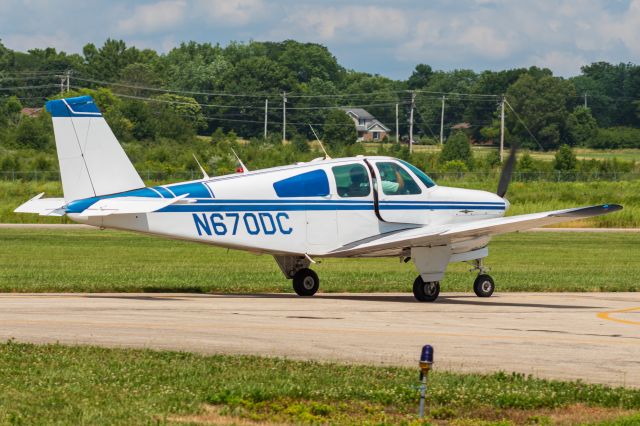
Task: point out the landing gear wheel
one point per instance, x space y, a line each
306 282
483 286
425 291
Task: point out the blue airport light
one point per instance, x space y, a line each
426 361
427 354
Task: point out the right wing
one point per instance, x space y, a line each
447 234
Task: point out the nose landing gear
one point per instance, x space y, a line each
483 286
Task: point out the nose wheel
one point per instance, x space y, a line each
483 286
306 282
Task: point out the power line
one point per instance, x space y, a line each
523 123
258 107
28 87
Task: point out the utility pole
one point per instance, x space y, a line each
413 105
502 129
585 100
397 127
68 79
62 80
284 116
266 107
442 122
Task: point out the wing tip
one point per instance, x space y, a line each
591 211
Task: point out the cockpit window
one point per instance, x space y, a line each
421 175
352 180
396 180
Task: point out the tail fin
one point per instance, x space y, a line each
92 162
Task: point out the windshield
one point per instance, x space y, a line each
420 174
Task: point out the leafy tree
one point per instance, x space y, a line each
308 61
420 77
457 148
581 126
542 102
139 74
565 159
616 137
339 129
429 106
34 132
614 82
108 61
10 110
6 57
141 117
184 107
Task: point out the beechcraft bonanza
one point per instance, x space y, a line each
364 206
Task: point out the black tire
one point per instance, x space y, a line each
484 286
306 282
425 291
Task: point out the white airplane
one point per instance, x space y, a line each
365 206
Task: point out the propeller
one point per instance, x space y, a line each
507 171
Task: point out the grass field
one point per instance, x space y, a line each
55 384
98 261
525 197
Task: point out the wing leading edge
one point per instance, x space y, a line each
446 234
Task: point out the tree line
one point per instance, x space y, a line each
198 88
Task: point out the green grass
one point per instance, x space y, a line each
40 260
56 384
525 197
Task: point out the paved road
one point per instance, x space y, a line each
589 336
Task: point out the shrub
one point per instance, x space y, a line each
457 148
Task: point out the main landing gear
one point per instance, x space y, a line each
296 268
427 290
306 282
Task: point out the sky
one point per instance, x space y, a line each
379 37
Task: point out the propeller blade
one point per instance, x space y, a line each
507 171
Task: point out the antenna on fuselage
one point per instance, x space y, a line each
326 156
244 168
204 173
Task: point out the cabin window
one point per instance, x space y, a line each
310 184
421 175
396 180
352 180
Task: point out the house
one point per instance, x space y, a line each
368 127
31 112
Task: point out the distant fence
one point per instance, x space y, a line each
161 176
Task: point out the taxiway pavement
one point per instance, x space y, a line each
590 336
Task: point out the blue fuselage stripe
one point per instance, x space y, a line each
303 207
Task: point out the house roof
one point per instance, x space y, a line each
31 112
360 113
375 123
